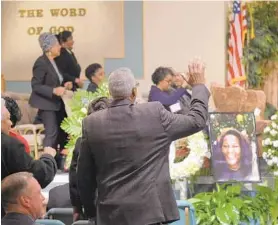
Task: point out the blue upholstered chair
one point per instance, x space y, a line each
63 214
81 222
49 222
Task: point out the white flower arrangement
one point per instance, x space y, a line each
198 146
270 145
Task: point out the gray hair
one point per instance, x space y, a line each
121 83
47 41
12 186
160 73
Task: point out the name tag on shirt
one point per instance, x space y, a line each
175 107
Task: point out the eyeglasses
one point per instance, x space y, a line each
168 81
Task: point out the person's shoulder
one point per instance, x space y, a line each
17 219
92 87
40 61
150 107
9 142
41 58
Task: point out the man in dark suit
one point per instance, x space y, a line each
22 199
124 153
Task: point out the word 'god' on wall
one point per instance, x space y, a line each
39 13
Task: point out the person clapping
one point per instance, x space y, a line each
47 89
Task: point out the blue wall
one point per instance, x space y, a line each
133 34
133 27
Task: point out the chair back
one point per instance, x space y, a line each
49 222
82 222
63 214
187 213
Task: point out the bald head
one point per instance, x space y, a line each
121 83
12 186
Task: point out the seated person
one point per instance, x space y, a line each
22 199
15 159
163 79
10 118
95 74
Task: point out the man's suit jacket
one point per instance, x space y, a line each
92 87
124 153
44 80
59 197
17 219
69 67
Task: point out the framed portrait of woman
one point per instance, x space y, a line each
234 148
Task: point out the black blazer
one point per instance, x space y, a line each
14 159
92 87
17 219
44 80
68 65
125 155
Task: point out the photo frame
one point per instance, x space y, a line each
234 149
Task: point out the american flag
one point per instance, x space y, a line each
237 32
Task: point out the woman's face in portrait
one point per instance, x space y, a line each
232 151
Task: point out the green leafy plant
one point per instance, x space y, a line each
263 49
270 110
225 205
228 205
265 203
78 105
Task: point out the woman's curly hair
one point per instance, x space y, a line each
13 109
